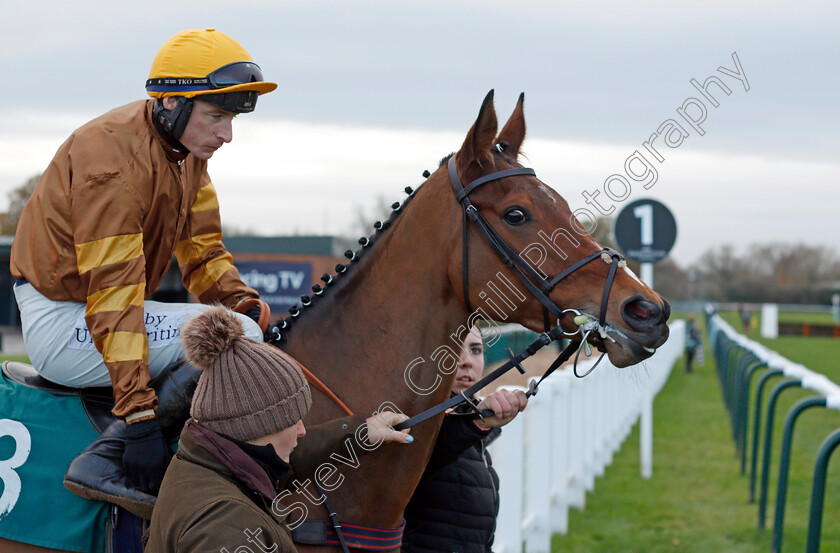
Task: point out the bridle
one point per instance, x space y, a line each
536 284
539 287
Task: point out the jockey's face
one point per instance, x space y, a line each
470 363
208 129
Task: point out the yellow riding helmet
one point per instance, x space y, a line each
197 62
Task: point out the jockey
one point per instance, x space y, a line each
122 195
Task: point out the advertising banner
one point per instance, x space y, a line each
280 284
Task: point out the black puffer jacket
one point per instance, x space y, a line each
455 505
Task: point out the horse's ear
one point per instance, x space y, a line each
514 131
481 136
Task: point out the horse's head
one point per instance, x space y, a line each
529 220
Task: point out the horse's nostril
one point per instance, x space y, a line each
638 311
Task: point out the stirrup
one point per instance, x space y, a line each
98 474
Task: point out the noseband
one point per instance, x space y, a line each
539 287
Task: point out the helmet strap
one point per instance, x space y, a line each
172 122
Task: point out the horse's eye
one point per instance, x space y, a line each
516 216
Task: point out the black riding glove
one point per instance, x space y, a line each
146 455
254 313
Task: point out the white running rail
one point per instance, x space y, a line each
549 456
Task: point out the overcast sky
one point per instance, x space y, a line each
371 93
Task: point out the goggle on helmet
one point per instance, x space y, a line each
208 65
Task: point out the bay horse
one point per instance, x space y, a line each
389 325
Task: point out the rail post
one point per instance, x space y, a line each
560 423
537 476
757 427
768 445
812 545
784 466
734 382
577 444
741 401
746 422
509 520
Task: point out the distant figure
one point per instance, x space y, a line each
745 317
693 344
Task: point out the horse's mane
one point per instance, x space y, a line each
345 271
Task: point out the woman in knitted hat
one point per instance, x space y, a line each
239 450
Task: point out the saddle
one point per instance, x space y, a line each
97 402
97 473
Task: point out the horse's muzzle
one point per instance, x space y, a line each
646 317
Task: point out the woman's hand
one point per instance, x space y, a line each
380 428
506 404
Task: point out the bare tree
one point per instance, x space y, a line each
603 233
17 199
365 216
775 272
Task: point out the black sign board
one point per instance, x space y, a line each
645 230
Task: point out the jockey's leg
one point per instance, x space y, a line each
61 348
62 351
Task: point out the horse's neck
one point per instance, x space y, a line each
396 313
397 306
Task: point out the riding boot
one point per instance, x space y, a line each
97 473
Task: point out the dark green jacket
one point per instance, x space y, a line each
215 496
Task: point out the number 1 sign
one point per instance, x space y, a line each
645 230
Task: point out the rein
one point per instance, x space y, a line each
539 287
323 388
513 361
534 282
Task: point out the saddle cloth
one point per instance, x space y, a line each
43 427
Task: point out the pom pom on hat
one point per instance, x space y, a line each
208 335
247 389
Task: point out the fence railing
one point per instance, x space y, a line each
738 359
549 456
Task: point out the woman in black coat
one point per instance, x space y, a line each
454 507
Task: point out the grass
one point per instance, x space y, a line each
820 354
697 500
804 317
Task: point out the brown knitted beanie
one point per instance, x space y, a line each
248 389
